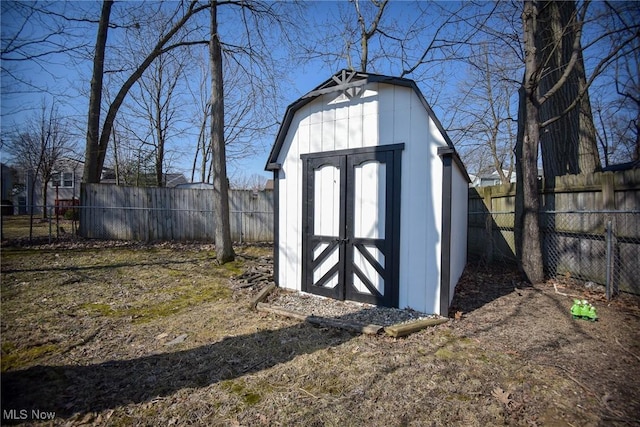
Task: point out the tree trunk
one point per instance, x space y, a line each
519 199
531 253
636 151
569 144
44 199
91 172
159 163
222 233
116 160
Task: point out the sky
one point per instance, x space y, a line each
321 26
66 77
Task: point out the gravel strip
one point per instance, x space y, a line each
313 305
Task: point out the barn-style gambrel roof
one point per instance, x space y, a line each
348 82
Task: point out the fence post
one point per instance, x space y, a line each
488 226
609 204
50 225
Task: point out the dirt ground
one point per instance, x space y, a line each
105 333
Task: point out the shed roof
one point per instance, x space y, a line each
341 82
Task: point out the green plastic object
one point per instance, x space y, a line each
575 309
581 309
584 309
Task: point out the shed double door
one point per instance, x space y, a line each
351 221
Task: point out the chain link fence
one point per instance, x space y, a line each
50 226
602 247
595 246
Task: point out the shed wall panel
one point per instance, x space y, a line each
420 205
416 211
290 182
370 133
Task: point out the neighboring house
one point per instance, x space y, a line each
486 180
6 184
64 187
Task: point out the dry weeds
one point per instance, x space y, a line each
88 332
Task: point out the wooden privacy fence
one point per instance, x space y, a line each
590 227
161 214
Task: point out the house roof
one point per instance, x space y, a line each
174 179
171 179
341 82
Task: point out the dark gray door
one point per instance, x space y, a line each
351 221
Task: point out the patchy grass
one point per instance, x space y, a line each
239 388
55 290
17 227
13 357
173 300
89 331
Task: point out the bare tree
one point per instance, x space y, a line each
250 107
35 37
96 147
200 95
243 181
158 109
367 31
37 149
627 83
484 130
378 36
617 121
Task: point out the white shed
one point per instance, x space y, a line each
370 196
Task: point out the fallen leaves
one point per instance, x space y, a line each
505 397
502 396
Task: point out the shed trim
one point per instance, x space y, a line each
447 155
347 151
276 227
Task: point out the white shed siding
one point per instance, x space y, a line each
289 228
384 114
421 210
330 122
